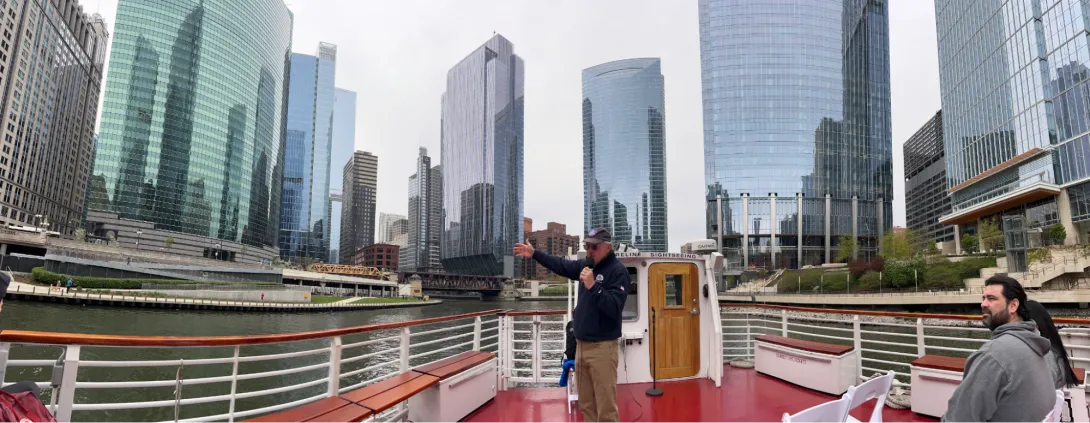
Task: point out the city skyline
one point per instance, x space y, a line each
399 116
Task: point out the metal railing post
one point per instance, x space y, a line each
477 333
5 350
783 315
234 387
536 350
405 349
857 337
335 365
921 346
67 395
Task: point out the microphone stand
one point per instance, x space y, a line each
654 391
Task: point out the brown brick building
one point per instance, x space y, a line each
553 240
382 256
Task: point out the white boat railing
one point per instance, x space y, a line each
240 376
886 340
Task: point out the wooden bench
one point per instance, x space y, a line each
332 409
370 400
828 368
935 377
466 382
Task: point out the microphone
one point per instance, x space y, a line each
588 262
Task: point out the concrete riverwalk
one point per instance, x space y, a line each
27 292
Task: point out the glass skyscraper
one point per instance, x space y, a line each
192 124
482 147
624 152
1015 93
797 138
344 143
304 218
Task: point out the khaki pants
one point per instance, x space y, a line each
596 380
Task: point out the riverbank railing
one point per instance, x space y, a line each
885 340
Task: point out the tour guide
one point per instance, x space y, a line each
597 320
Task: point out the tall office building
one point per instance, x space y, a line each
624 152
797 138
304 210
344 143
51 59
482 148
925 183
553 240
390 225
1014 102
358 209
421 253
191 140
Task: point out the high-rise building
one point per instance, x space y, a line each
191 140
390 225
799 150
482 149
344 143
51 60
553 240
421 253
1014 82
304 210
624 152
358 209
925 183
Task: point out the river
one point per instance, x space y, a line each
48 317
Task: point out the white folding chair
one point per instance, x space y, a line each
874 388
1057 409
832 411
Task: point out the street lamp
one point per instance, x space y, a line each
138 233
218 251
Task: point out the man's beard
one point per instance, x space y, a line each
994 321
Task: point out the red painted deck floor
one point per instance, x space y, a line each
744 396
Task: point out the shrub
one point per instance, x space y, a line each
859 267
970 244
868 282
902 274
39 274
1057 233
553 290
1039 255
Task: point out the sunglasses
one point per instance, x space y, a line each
591 247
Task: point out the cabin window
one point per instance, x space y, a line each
674 285
631 310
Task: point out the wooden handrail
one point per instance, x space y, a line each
55 338
965 317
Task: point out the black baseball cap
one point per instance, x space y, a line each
599 235
5 280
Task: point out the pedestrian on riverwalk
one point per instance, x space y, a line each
597 320
1008 378
262 297
69 287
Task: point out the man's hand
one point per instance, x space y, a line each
524 250
587 276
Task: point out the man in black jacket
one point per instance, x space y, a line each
597 320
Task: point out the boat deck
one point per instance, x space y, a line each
744 396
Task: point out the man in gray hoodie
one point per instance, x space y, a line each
1008 379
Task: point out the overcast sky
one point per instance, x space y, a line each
395 55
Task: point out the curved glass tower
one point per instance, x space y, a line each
796 128
624 152
192 125
481 142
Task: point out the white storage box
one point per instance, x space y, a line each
831 372
454 398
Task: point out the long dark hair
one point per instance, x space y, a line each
1039 314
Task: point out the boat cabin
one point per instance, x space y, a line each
670 323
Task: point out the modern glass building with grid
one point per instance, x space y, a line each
305 202
191 138
1014 79
797 141
926 199
624 152
482 163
